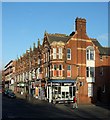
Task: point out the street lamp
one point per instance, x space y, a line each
29 79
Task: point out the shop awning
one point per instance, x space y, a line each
62 81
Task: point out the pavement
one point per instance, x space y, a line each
30 99
34 100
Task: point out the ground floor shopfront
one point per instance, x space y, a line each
57 90
33 88
61 90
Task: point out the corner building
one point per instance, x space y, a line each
65 66
75 65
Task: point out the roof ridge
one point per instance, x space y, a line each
58 34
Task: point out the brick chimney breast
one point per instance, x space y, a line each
81 25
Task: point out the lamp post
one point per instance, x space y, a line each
29 82
77 88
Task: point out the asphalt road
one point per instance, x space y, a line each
22 109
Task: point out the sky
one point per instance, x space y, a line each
23 23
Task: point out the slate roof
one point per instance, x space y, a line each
58 37
103 50
64 38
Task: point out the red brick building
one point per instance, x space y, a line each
64 66
79 59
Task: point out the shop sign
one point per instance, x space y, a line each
68 84
22 84
57 84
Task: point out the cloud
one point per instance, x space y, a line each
103 39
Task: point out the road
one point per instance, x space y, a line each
20 108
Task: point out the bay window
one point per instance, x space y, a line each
90 71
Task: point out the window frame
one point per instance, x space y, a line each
60 50
89 72
54 53
68 54
90 53
60 70
69 70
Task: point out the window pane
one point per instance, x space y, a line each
59 90
91 55
67 94
73 91
69 53
63 94
60 53
87 71
54 53
55 67
87 54
91 72
69 67
68 50
70 92
60 67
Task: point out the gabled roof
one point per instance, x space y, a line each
96 43
57 37
103 50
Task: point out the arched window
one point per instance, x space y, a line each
90 53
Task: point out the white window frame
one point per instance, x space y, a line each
89 72
89 50
60 52
54 69
54 53
46 72
60 70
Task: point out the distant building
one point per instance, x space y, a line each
9 71
64 66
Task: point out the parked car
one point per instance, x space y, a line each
7 91
11 95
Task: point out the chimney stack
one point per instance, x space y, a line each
80 25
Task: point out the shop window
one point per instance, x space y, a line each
59 90
67 94
63 94
74 91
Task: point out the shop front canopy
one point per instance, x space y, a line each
62 81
